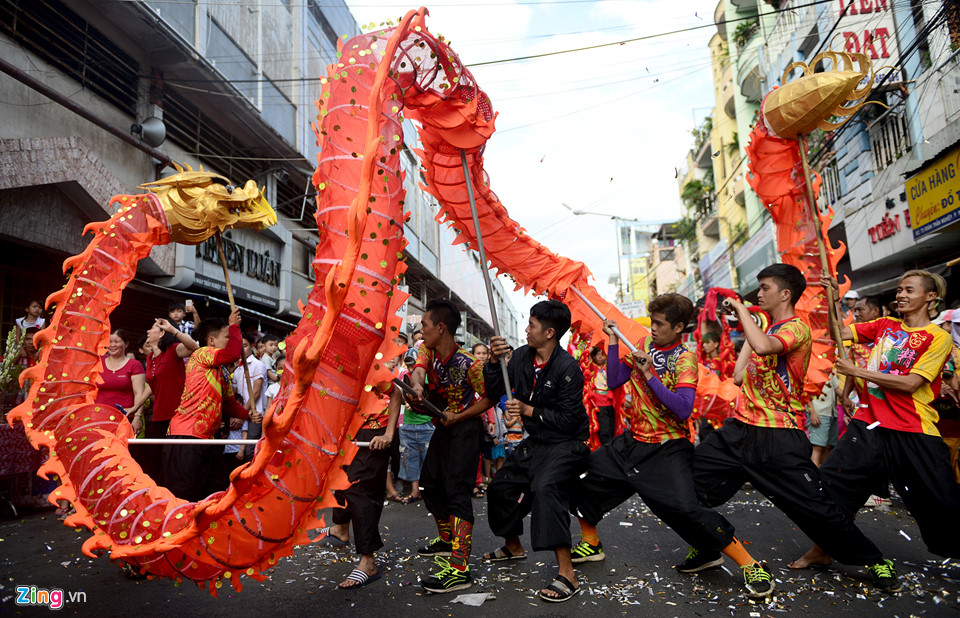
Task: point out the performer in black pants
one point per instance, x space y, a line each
450 466
653 458
765 444
895 437
538 477
362 502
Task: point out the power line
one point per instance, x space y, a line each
301 5
646 37
532 56
912 47
590 107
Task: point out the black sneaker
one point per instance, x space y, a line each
697 561
585 552
448 579
757 580
436 547
885 576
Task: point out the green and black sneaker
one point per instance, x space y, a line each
885 576
448 579
697 561
436 547
757 580
585 552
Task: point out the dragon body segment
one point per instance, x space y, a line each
334 356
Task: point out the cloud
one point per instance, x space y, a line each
600 130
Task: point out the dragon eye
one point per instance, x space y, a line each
229 189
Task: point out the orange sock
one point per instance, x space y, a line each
589 533
738 553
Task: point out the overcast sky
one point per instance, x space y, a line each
601 130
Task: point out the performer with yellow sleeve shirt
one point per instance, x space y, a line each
652 458
765 444
895 436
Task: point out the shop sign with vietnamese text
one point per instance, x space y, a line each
934 195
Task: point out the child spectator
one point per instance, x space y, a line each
268 358
31 318
176 312
255 402
274 388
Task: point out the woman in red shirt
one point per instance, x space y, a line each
123 381
167 347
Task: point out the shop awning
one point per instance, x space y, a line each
889 285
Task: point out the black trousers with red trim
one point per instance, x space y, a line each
449 471
919 467
661 474
362 502
777 462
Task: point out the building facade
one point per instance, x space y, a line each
234 86
887 175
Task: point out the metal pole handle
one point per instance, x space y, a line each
432 409
483 263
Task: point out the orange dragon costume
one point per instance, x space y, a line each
334 357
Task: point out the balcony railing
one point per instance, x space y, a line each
950 88
889 137
796 18
830 189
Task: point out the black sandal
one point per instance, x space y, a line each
564 589
503 554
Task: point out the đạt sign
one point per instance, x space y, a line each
934 194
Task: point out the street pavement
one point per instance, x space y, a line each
636 578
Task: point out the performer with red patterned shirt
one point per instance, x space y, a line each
192 472
895 437
867 309
598 398
450 465
711 353
764 442
652 458
362 502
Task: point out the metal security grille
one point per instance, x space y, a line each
62 38
197 132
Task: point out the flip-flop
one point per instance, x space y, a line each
395 498
502 554
562 586
331 540
411 499
361 578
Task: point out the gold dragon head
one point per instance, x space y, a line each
199 204
812 100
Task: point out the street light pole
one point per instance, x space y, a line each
616 229
618 220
